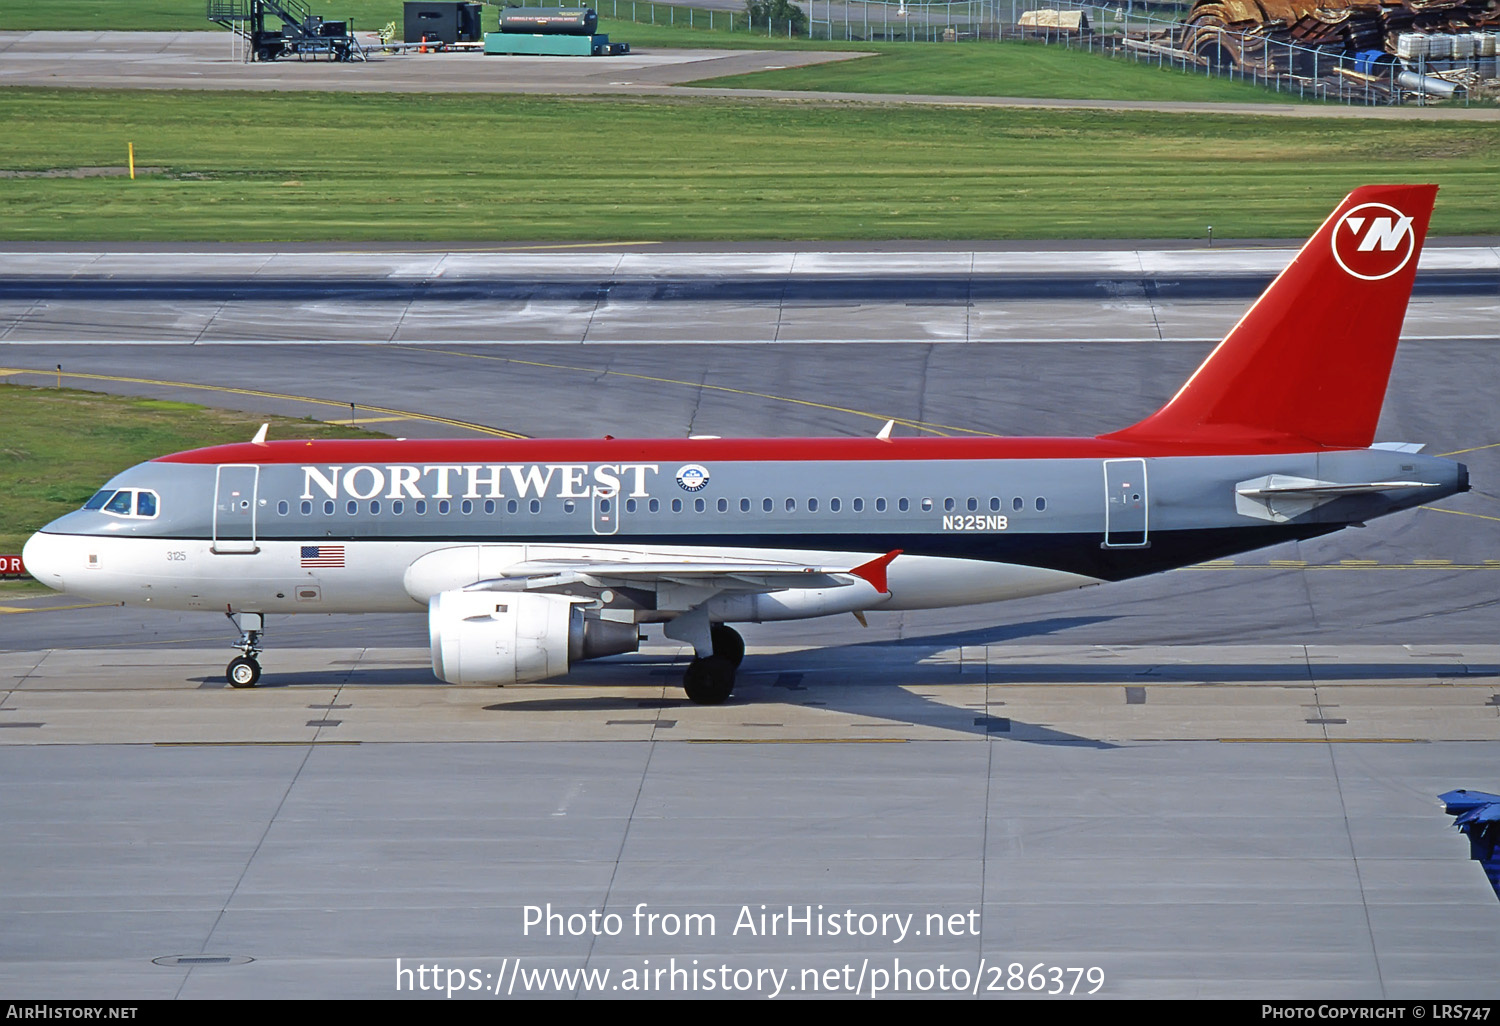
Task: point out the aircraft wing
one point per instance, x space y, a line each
743 576
1477 814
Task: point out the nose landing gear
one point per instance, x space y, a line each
243 670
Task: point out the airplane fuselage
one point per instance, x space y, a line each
357 526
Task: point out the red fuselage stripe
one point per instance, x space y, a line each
749 450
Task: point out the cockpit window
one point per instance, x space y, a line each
127 502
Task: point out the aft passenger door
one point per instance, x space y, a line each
1126 504
235 500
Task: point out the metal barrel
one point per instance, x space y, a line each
1428 84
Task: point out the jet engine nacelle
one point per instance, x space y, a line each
490 637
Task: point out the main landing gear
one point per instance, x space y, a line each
709 680
243 670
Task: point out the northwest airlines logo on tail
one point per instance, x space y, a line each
1373 241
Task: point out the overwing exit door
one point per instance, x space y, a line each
606 510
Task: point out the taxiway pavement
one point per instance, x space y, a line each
1218 782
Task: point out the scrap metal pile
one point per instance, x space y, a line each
1243 32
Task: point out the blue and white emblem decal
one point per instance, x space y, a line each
693 477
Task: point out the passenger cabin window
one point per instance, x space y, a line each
859 505
283 507
1041 504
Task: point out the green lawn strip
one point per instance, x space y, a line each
1004 69
23 588
500 168
175 15
59 446
665 26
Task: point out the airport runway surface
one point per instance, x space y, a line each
1218 782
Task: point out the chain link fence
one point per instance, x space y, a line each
1125 30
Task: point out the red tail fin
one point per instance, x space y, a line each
1309 362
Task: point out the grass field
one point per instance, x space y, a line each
169 15
59 446
656 25
250 167
1004 69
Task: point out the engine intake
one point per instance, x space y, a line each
487 637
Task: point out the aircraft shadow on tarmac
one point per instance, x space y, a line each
853 679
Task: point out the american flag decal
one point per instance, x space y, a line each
322 555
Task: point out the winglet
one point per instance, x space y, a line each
260 436
874 570
884 434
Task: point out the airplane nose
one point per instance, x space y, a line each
42 556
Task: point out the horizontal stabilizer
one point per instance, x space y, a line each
1281 497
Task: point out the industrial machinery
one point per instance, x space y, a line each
442 21
285 28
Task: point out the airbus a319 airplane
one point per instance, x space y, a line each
528 555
